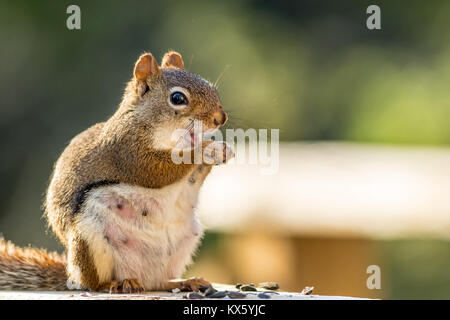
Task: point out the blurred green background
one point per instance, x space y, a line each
310 68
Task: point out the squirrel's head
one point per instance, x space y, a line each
165 98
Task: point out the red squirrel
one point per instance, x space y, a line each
124 211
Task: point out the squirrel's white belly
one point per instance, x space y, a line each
139 233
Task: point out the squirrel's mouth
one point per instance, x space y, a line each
194 134
191 139
194 138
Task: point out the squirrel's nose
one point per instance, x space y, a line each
220 117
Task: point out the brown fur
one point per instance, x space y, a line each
82 258
172 59
145 67
32 269
122 149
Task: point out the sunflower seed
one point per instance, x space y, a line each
236 295
307 291
218 294
209 291
203 288
195 295
270 285
248 288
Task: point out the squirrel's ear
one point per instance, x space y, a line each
172 59
146 67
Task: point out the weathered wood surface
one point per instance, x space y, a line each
83 295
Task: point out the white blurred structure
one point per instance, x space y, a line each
335 189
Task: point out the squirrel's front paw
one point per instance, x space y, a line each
218 152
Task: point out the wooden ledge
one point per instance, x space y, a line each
157 295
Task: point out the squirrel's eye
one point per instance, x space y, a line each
178 99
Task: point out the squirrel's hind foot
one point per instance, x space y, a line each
126 286
191 284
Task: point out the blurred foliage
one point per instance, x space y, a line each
418 268
309 68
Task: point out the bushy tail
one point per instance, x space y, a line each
31 269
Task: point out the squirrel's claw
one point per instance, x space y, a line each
191 284
126 286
